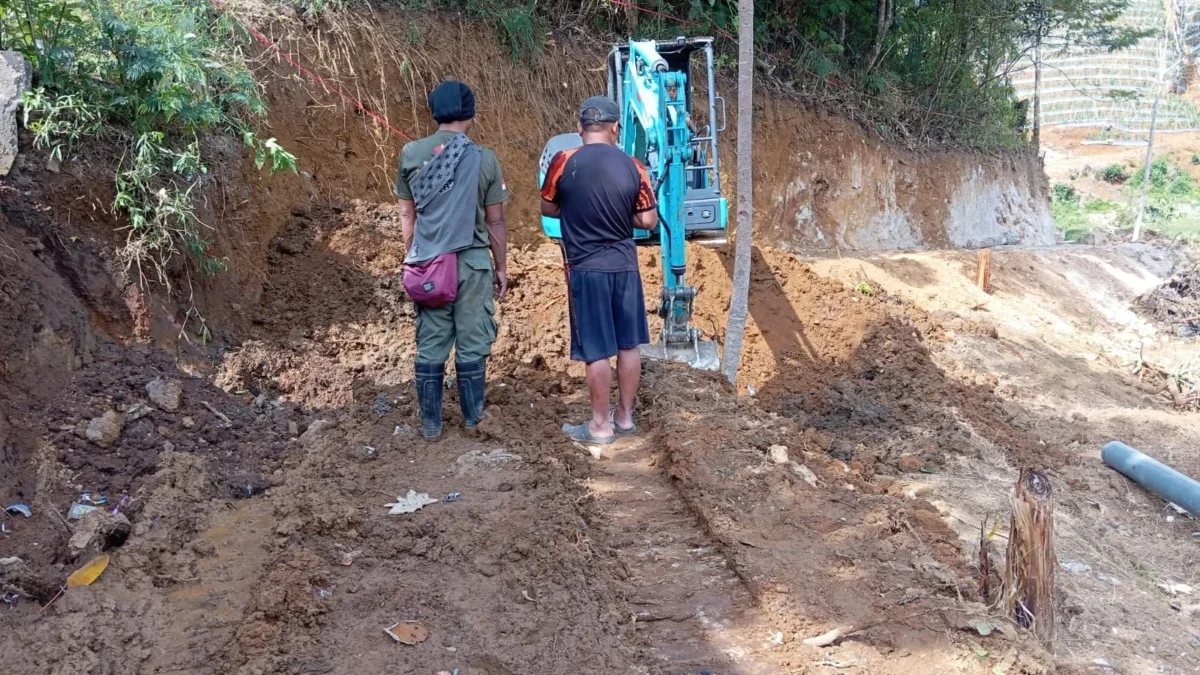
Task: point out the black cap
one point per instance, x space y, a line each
452 101
598 109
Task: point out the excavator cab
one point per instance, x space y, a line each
651 81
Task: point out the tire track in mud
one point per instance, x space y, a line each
688 604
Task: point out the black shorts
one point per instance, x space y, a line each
609 314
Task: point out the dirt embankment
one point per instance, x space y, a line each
820 182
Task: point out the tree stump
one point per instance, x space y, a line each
983 270
1031 564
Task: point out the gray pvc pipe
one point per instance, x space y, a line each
1153 475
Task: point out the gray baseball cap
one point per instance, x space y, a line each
599 109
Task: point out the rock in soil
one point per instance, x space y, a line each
100 530
166 394
778 454
315 430
106 429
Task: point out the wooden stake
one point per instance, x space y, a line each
987 569
983 270
1031 564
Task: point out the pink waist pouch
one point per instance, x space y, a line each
433 283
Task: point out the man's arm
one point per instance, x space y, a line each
493 217
408 207
550 206
646 220
645 206
498 238
408 221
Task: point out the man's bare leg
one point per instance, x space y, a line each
629 371
599 381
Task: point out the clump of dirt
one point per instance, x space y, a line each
855 362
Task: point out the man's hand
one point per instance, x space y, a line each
500 284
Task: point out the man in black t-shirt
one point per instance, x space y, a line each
600 194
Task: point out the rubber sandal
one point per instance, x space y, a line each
627 431
580 432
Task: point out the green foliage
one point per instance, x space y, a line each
1063 192
1172 193
1064 208
520 24
933 70
1165 178
151 77
316 8
1195 158
521 31
1076 216
1101 206
1114 173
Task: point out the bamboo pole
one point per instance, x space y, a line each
1030 567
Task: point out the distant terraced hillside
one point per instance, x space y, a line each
1099 88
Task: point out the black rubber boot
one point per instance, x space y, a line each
471 380
429 395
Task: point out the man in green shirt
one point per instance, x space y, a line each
468 324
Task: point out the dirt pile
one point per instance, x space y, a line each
333 326
1175 305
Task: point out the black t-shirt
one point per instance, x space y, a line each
599 188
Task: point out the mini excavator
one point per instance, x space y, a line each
682 163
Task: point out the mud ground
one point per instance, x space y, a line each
260 542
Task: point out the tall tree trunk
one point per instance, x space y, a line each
631 18
1037 77
883 23
1037 96
735 329
1158 87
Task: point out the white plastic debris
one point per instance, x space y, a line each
78 511
414 501
1076 567
1172 588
